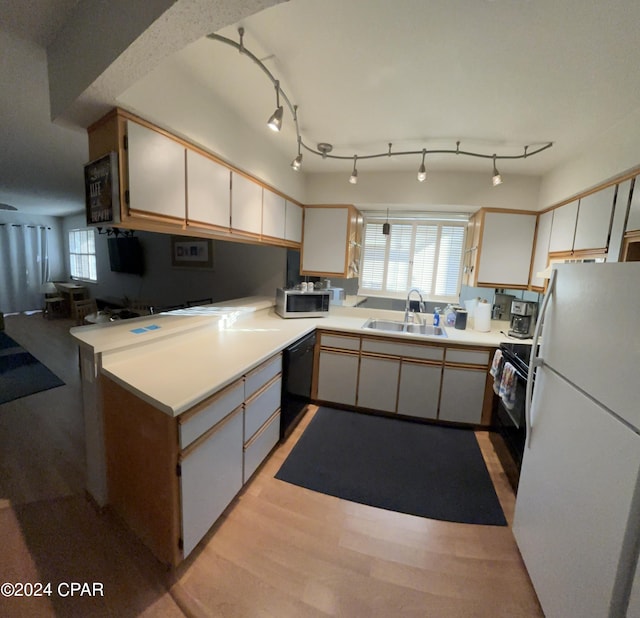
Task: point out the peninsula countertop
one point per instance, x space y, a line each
173 361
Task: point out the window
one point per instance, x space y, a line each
424 254
82 255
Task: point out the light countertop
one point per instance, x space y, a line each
176 360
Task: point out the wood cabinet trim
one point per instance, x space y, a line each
614 181
205 403
193 446
262 429
262 389
148 501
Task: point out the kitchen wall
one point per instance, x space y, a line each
610 155
239 270
443 191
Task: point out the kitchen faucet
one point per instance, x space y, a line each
407 306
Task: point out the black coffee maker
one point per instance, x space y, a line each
523 318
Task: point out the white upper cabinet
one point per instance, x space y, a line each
246 205
208 191
293 223
507 245
541 254
594 220
156 173
273 215
325 240
618 221
633 221
564 227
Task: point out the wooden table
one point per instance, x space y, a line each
71 291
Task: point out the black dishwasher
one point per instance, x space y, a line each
297 371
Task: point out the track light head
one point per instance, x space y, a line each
354 174
275 121
422 170
497 178
296 164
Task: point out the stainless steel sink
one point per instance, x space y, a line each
401 327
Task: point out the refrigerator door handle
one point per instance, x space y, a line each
535 361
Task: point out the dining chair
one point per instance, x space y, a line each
84 307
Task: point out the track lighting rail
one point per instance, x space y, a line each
324 150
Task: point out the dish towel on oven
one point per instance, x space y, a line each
508 386
496 371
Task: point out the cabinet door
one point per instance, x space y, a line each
246 205
211 477
633 221
541 255
208 191
156 173
563 227
338 377
378 383
293 222
618 221
273 215
462 396
507 244
324 249
594 220
419 389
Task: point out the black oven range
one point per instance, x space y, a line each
508 433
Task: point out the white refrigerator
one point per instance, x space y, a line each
577 516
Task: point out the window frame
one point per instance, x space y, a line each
91 255
414 221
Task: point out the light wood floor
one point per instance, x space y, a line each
279 550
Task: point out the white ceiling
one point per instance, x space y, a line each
494 74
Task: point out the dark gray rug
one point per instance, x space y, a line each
424 470
22 374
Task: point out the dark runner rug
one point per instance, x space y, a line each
21 374
424 470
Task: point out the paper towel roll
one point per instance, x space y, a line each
482 317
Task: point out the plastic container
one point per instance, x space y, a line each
450 315
461 319
482 317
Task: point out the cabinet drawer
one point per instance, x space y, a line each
261 444
257 378
342 343
206 415
261 407
424 352
469 357
211 477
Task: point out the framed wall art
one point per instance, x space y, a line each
187 252
102 190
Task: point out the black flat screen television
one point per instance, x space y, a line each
125 255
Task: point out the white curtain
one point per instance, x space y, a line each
24 266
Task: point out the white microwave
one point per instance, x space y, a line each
302 304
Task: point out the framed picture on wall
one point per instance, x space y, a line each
187 252
101 189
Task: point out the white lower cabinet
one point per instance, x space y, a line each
262 388
419 389
338 377
260 445
462 395
378 383
211 477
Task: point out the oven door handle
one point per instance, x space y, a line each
535 361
